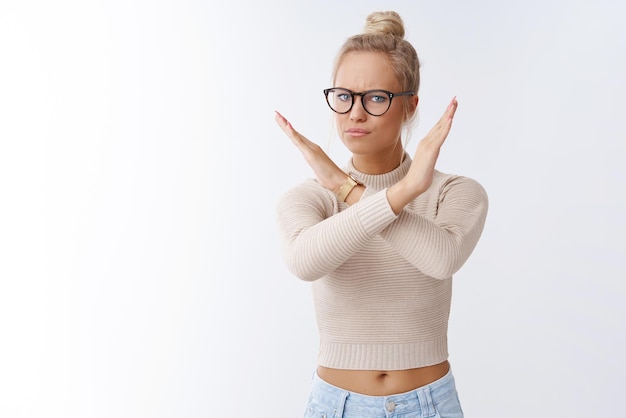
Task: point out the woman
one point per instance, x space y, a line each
381 239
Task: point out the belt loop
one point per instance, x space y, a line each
426 402
341 403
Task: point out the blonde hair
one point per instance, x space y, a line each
384 33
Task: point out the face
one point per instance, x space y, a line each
370 138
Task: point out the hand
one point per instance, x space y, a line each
328 174
420 175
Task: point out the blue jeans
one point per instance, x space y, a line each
436 400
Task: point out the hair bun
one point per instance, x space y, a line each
387 23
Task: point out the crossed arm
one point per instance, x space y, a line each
317 238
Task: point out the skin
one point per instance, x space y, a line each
374 142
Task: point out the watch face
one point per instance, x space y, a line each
354 179
346 188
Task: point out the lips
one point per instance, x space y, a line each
356 132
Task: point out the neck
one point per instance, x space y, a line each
378 163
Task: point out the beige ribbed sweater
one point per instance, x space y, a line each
381 283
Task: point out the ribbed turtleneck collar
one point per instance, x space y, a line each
381 181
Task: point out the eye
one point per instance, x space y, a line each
343 96
377 97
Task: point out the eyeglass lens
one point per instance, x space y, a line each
376 102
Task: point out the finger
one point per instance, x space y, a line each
446 119
440 130
452 108
286 126
295 136
282 122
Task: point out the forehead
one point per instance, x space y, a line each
359 71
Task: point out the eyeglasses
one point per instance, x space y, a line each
375 102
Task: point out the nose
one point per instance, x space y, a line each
358 113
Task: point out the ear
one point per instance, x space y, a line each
413 100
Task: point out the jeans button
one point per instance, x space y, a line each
391 406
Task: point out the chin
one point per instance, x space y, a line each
358 147
364 146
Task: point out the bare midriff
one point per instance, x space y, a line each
383 383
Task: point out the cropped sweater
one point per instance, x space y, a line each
381 282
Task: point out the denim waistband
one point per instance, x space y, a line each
420 400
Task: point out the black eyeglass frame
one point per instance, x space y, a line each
363 94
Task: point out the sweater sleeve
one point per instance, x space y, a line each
317 237
439 247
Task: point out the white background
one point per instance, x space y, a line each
140 271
